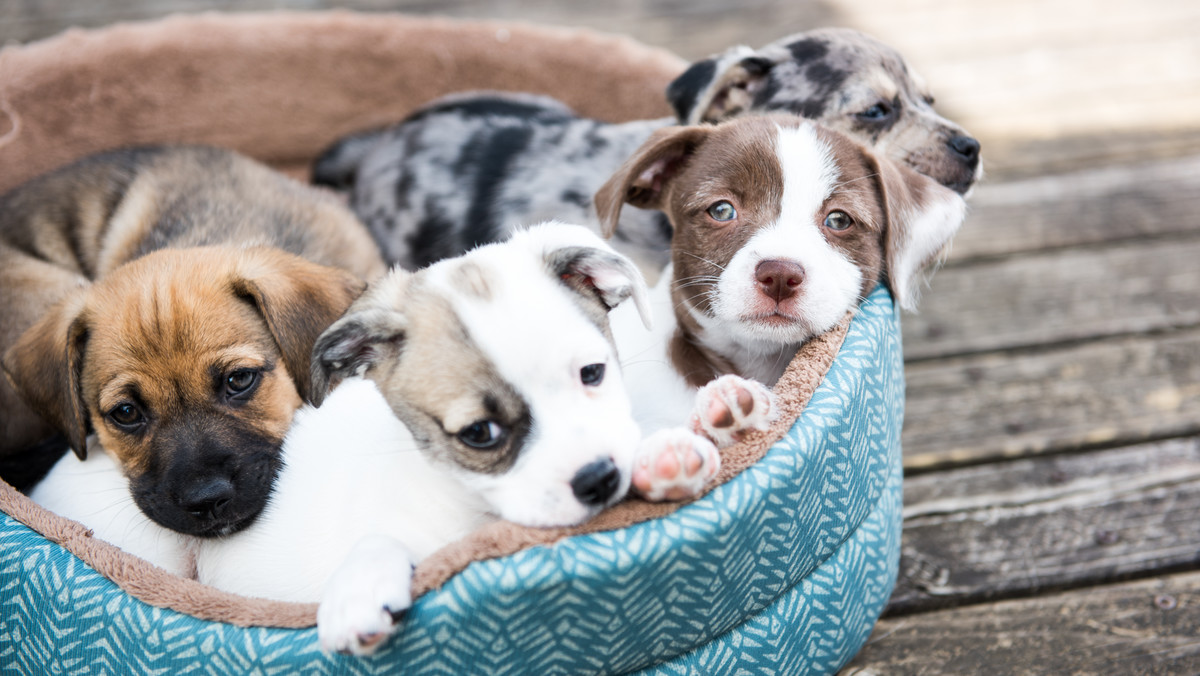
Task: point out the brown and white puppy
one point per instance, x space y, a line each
150 300
781 228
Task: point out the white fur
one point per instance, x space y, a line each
351 469
542 360
928 233
95 493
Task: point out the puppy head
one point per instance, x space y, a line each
781 226
847 81
187 365
502 365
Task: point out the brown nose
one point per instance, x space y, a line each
779 280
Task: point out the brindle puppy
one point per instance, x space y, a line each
165 300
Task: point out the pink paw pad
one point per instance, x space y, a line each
674 464
730 406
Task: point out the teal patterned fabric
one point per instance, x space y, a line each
783 569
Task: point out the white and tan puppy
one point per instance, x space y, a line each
781 227
491 389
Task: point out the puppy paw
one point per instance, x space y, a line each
365 597
729 406
674 464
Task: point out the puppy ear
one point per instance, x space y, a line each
719 87
601 273
299 300
353 344
642 180
45 366
921 219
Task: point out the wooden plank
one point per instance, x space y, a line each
1058 296
1144 627
1101 393
1023 527
1012 158
1092 206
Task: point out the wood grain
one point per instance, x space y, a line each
1086 395
1115 203
1053 297
1144 627
1024 527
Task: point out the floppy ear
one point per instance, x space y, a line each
298 299
719 87
591 268
921 219
45 366
642 180
369 333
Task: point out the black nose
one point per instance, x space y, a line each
207 497
596 482
966 147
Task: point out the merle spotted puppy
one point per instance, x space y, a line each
470 168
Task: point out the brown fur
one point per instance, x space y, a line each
685 170
160 323
401 332
163 333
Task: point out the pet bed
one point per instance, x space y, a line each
782 568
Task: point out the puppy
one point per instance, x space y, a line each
492 390
781 228
131 320
470 168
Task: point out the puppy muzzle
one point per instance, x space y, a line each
209 499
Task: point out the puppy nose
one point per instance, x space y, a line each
779 280
596 482
207 497
966 148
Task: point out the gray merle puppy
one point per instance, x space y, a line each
472 167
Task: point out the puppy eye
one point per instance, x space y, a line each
722 211
126 416
592 374
239 383
838 221
484 435
929 100
876 112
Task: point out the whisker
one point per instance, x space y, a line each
706 260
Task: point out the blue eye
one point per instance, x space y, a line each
838 221
722 211
876 112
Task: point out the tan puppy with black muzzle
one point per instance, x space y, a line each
166 300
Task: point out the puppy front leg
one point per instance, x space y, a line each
677 463
729 406
365 596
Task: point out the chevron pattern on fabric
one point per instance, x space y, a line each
784 569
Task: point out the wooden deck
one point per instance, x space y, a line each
1052 440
